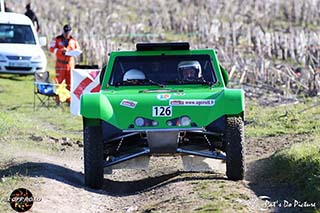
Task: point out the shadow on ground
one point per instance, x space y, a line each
110 187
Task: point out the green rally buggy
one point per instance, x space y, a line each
162 99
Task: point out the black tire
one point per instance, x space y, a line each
93 157
234 140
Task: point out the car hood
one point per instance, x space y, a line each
21 49
149 97
197 104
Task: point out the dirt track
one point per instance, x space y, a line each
58 180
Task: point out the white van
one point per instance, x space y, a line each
20 47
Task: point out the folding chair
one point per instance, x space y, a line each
43 90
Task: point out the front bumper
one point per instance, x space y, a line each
29 69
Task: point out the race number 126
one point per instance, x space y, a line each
162 111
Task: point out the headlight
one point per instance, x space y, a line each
2 58
139 121
36 58
185 121
180 121
169 123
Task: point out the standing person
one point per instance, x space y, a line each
32 16
64 63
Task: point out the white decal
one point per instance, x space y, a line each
196 102
128 103
179 94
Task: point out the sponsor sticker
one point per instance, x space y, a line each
128 103
164 97
195 102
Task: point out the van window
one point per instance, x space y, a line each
16 34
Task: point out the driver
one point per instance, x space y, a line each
134 74
189 70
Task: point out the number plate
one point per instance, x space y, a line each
161 111
18 64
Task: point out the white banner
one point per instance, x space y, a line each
82 81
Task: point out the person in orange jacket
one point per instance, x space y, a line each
64 63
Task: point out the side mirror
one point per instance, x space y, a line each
42 41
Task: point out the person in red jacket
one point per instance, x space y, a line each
64 62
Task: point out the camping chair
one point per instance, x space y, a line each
43 89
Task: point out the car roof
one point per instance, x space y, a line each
14 18
161 52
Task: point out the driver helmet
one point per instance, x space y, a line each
189 70
133 74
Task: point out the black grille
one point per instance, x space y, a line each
14 57
19 68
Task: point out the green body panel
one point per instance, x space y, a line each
106 105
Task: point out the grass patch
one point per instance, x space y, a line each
299 118
208 208
300 166
20 122
218 198
25 130
6 124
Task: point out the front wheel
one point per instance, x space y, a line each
93 157
234 140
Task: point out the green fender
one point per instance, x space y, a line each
233 101
94 107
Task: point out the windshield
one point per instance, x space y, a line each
16 34
162 70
